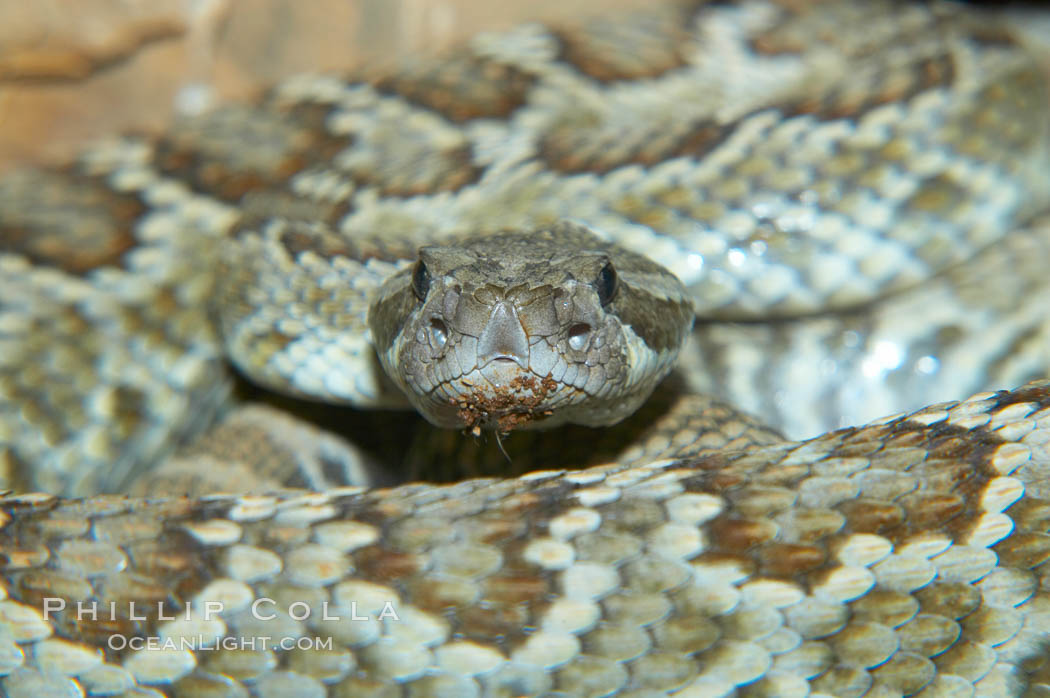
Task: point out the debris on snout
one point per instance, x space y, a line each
506 408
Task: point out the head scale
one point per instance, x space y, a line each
533 329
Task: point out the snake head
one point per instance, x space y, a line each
529 329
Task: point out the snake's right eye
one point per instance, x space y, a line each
420 280
606 284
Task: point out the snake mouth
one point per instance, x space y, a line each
503 365
520 403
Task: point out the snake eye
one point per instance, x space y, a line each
420 280
606 284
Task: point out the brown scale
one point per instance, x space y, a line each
461 87
513 590
381 564
866 516
805 23
458 171
203 152
889 608
1024 550
929 635
848 102
789 559
37 585
152 598
97 632
905 673
176 559
298 237
657 38
68 221
811 525
955 473
492 620
441 595
561 150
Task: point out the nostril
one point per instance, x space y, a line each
579 335
438 333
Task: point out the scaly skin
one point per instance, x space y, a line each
909 555
903 557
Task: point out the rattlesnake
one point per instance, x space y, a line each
853 189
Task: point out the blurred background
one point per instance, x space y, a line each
74 71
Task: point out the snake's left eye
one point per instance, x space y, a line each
420 280
606 284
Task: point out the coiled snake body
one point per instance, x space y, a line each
849 197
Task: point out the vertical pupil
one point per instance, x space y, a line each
606 284
420 280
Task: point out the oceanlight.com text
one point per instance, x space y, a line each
201 643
